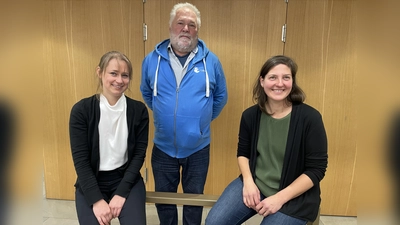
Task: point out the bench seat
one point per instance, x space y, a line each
189 199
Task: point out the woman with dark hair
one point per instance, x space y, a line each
109 135
282 154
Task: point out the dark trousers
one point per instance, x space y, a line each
167 176
134 210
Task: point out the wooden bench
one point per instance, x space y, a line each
189 199
181 198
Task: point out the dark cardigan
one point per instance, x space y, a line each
84 138
306 153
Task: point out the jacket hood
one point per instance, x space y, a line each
202 52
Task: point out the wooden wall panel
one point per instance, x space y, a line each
378 59
321 38
21 87
243 34
77 34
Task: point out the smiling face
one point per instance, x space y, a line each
277 83
114 79
183 31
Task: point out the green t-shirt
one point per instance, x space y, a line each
271 148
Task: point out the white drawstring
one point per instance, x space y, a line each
156 77
207 80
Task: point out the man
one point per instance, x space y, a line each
183 83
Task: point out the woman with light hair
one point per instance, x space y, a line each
109 135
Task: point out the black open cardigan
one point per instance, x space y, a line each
306 153
84 139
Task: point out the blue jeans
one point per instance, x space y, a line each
167 175
230 210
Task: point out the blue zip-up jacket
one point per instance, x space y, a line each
183 114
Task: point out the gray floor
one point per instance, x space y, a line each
62 212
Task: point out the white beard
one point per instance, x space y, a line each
183 46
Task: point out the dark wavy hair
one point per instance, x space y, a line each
296 95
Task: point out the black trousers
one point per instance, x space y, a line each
134 209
